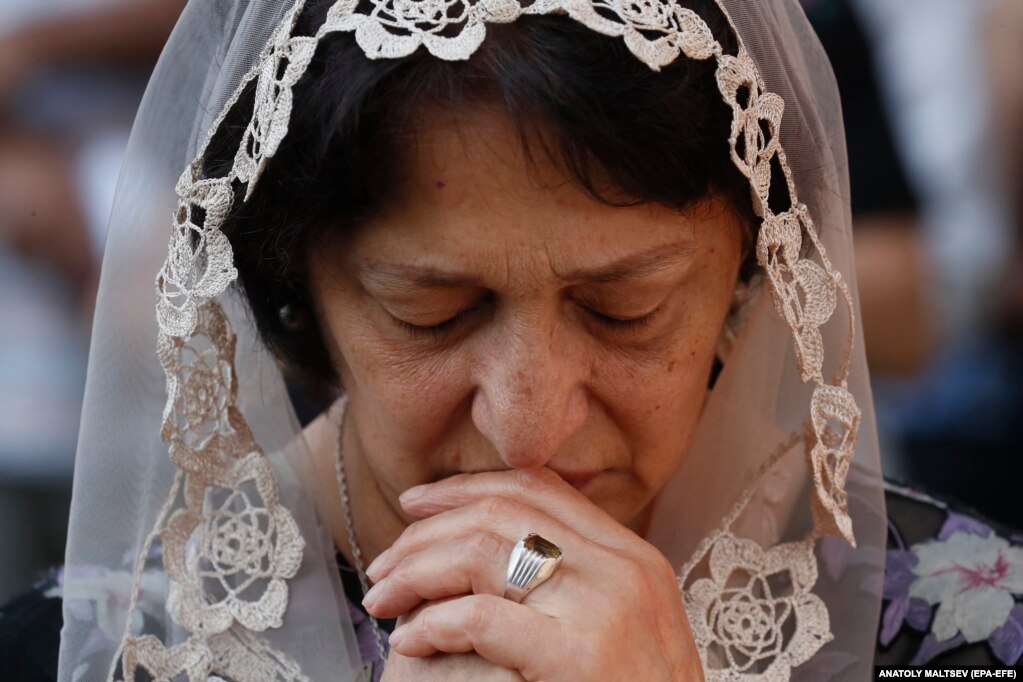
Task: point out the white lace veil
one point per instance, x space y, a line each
194 552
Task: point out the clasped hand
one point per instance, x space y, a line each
612 611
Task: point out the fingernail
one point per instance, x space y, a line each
412 493
372 596
376 564
395 638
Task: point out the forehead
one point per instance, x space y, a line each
480 161
470 187
478 153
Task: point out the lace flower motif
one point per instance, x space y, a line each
454 29
972 579
191 658
229 555
836 420
756 118
804 294
241 655
449 29
200 261
755 616
280 69
201 420
681 31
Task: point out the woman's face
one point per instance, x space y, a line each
494 315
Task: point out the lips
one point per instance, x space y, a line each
577 479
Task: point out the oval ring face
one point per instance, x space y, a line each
533 560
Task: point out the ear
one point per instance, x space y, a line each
743 296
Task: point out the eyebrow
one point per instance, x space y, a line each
637 265
403 275
632 267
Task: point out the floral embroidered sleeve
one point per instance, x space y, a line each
952 586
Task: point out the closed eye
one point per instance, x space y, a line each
453 324
471 314
441 328
619 324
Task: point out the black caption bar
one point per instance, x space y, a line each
955 672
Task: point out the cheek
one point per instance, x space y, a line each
656 404
407 400
656 397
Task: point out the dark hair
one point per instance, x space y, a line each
604 116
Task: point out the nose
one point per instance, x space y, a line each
530 395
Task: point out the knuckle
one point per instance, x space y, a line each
480 616
647 566
483 548
663 567
495 509
658 569
635 574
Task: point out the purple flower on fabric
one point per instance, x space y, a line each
898 573
957 523
898 576
1007 641
971 575
971 578
905 609
931 647
918 616
891 621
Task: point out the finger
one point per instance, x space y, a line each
475 564
542 489
505 633
468 667
501 516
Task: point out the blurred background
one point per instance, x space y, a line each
933 103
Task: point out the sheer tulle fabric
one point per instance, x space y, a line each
758 519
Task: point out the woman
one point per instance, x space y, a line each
568 294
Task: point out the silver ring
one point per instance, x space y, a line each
532 561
